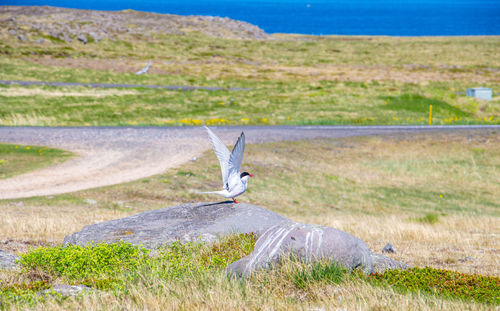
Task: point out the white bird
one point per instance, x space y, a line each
234 183
144 70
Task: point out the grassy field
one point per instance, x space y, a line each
18 159
435 197
293 79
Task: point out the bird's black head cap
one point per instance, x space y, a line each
245 174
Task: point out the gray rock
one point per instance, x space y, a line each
388 248
187 222
21 38
306 243
82 38
95 36
7 261
65 290
66 38
12 32
383 263
466 258
110 25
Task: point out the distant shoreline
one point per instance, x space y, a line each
468 18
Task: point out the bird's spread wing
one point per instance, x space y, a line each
237 157
144 70
222 153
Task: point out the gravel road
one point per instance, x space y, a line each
111 155
134 86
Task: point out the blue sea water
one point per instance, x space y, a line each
321 17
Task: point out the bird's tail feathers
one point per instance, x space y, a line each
205 192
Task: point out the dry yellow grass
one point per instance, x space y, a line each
24 226
462 243
266 291
226 69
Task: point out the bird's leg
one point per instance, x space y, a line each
234 199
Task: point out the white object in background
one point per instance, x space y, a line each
480 92
144 70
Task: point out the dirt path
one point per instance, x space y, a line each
108 155
128 86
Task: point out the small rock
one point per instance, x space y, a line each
383 263
82 38
65 290
12 32
388 248
21 38
194 159
91 201
466 258
7 261
65 38
95 36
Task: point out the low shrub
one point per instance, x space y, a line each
23 293
82 262
443 283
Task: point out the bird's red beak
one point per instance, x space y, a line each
251 175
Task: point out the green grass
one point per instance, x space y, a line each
326 272
420 105
468 52
293 81
429 218
268 103
18 159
